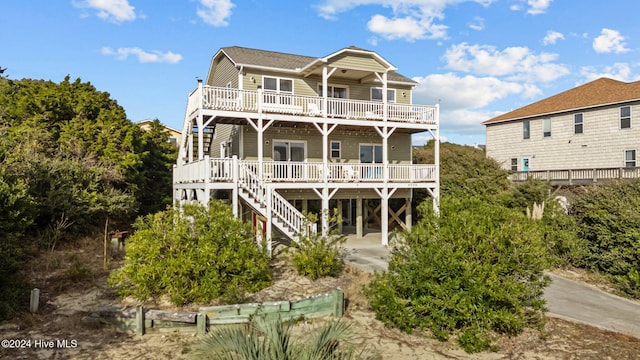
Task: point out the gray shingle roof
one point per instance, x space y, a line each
279 60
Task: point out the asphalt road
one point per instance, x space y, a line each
566 299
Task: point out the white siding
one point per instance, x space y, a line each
601 144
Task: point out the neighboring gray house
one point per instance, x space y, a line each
592 129
263 133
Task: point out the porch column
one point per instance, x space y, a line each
359 229
260 142
436 150
408 215
269 216
305 206
384 215
199 121
324 211
234 191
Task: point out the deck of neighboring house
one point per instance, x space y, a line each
578 176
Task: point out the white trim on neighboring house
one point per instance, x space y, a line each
620 117
635 157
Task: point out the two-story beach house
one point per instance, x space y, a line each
279 134
587 133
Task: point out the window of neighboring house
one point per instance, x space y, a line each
546 127
625 117
335 150
376 94
578 124
630 158
514 164
173 140
526 129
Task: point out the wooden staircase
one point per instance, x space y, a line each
284 215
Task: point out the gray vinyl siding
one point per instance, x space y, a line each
359 62
308 86
222 135
601 145
399 144
223 72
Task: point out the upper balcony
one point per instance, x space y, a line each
253 102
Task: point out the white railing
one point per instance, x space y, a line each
195 171
222 170
259 101
578 175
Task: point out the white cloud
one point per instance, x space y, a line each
477 24
609 41
143 56
552 37
115 11
534 7
537 7
617 71
519 63
407 28
467 92
408 20
215 12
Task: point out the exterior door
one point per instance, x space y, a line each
525 164
292 154
335 107
370 155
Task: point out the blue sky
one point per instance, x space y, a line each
477 58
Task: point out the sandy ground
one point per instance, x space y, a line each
66 300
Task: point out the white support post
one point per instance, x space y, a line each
384 215
359 222
325 211
408 217
199 121
436 150
260 143
234 191
269 220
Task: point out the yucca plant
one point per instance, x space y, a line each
271 339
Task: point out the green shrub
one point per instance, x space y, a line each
317 256
195 256
609 221
474 271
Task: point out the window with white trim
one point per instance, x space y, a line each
514 164
335 150
526 129
578 123
277 84
546 127
376 94
625 117
630 158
